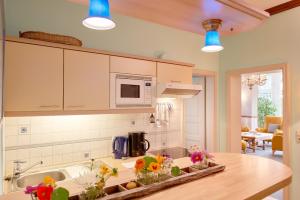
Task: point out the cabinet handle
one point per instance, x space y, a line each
49 106
172 81
75 106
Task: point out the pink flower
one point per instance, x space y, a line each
32 189
207 155
197 156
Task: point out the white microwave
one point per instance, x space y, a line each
127 91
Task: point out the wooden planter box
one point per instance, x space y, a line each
119 192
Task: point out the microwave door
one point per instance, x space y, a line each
129 92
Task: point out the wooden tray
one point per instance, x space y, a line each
119 192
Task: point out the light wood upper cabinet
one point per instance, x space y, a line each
168 73
86 81
132 66
33 78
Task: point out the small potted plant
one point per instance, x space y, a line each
150 169
96 190
47 190
200 159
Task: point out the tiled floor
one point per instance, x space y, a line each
267 153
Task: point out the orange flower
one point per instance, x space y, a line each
154 167
139 164
104 170
160 159
48 180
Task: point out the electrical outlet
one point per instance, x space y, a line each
298 137
24 129
86 155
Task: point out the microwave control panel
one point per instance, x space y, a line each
148 92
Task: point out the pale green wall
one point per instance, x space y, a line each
130 36
276 41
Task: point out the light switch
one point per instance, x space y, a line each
298 137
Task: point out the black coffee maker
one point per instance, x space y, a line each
137 144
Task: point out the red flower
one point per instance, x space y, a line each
44 192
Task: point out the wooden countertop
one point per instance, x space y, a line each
245 177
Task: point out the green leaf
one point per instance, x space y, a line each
114 171
265 107
91 193
148 160
175 171
60 194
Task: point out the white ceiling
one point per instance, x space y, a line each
265 4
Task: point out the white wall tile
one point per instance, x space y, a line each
50 129
58 150
35 160
57 159
11 140
11 129
67 158
47 161
24 140
35 152
46 151
11 155
9 167
23 154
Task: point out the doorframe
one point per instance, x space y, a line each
233 113
214 75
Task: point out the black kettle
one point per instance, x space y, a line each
137 144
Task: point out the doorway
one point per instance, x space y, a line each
261 114
199 118
234 108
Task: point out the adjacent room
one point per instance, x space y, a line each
261 116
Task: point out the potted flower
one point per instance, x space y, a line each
96 190
200 159
47 190
154 169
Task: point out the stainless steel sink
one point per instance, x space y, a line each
37 178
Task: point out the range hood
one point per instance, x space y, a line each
177 90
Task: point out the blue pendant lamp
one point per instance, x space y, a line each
212 37
99 16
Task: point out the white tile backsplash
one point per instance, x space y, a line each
11 140
47 133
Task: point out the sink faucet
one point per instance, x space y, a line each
17 171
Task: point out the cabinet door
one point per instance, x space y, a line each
168 73
33 78
132 66
86 81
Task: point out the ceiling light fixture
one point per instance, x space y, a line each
99 16
255 79
212 37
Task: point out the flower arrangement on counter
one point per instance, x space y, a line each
96 190
155 169
200 159
47 191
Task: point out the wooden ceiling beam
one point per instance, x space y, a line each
283 7
188 15
246 8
